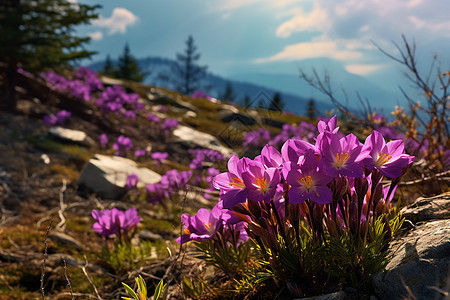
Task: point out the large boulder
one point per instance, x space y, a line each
420 259
200 139
425 209
106 175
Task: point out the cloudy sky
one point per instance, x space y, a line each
266 36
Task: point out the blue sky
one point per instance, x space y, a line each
263 36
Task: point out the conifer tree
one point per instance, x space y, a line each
311 109
246 102
128 68
38 34
188 73
276 104
228 94
108 67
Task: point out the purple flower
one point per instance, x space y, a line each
140 152
231 185
132 181
168 125
270 157
261 183
339 155
293 149
122 144
114 221
154 118
159 157
388 158
330 126
201 227
59 118
103 138
308 181
200 94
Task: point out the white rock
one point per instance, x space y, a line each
202 139
70 135
107 175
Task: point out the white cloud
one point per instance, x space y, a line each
315 20
312 50
346 29
97 35
362 69
120 19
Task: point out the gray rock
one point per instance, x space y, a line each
425 209
71 136
149 236
160 97
273 122
420 260
332 296
201 139
106 175
236 118
66 239
111 81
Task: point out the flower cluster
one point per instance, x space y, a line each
77 88
122 145
114 221
114 99
200 94
333 185
205 225
170 183
57 119
258 138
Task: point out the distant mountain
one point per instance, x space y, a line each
377 96
215 85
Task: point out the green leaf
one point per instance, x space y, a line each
142 287
159 290
130 291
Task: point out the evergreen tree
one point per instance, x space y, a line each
38 34
108 67
188 73
276 104
311 109
228 94
246 102
128 68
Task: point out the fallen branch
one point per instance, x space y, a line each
89 278
62 224
45 258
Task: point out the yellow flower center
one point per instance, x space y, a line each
341 158
307 181
262 183
382 159
237 182
207 225
186 231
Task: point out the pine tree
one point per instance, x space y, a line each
188 73
311 109
128 68
228 94
108 67
276 104
38 34
246 102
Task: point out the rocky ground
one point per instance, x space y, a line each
46 202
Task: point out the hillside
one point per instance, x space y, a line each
102 180
215 86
